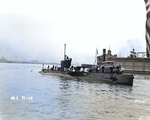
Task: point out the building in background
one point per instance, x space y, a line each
3 60
34 61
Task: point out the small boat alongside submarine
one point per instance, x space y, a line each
106 72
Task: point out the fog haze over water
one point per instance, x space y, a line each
37 30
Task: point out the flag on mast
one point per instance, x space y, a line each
147 34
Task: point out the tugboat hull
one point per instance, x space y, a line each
125 79
111 78
122 79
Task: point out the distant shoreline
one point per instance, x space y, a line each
29 63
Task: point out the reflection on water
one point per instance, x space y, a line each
58 98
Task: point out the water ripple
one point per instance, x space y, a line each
59 98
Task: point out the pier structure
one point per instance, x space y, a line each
134 64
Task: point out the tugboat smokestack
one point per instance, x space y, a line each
104 54
64 51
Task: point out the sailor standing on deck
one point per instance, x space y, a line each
117 69
103 68
111 69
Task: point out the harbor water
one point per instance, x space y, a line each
25 94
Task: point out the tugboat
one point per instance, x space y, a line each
115 74
107 73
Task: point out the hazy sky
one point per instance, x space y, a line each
38 29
